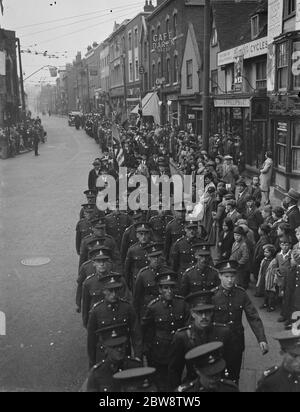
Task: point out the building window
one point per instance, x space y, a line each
136 70
153 75
214 37
282 66
130 71
153 37
289 8
129 41
167 26
214 82
296 148
189 74
159 69
281 133
168 73
261 75
136 38
175 21
296 77
175 68
254 26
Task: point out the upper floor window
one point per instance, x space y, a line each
214 81
176 69
261 75
282 66
136 38
167 26
289 8
175 22
168 71
254 26
189 74
214 37
129 41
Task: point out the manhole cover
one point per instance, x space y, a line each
36 261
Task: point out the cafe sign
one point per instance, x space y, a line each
247 50
162 42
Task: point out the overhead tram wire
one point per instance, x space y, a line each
73 17
81 30
76 22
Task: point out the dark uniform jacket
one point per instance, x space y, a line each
195 279
105 314
100 378
241 204
129 239
146 289
186 339
92 182
195 386
182 254
159 226
160 323
174 231
278 379
116 224
229 309
83 228
92 293
293 219
89 241
137 259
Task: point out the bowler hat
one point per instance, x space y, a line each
293 194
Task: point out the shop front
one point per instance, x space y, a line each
233 116
191 113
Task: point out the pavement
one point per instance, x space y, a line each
44 349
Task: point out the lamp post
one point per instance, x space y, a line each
206 76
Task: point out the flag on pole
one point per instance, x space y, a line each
1 7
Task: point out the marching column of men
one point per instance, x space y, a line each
159 315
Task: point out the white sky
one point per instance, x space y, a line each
94 23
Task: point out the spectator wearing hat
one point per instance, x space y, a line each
92 286
293 288
100 378
201 276
231 211
242 192
211 168
94 174
182 253
230 173
255 191
163 317
146 288
219 166
240 254
200 331
129 237
264 285
253 216
226 240
266 176
283 269
136 380
292 215
209 365
112 311
277 215
137 257
286 377
231 302
264 239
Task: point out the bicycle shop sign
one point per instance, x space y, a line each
162 42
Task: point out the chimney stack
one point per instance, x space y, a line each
149 8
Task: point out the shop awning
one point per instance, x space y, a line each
150 106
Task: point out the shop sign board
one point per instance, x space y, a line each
248 51
162 42
232 102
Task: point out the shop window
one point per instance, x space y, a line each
189 74
296 66
281 142
214 81
289 9
296 148
261 75
254 26
282 66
